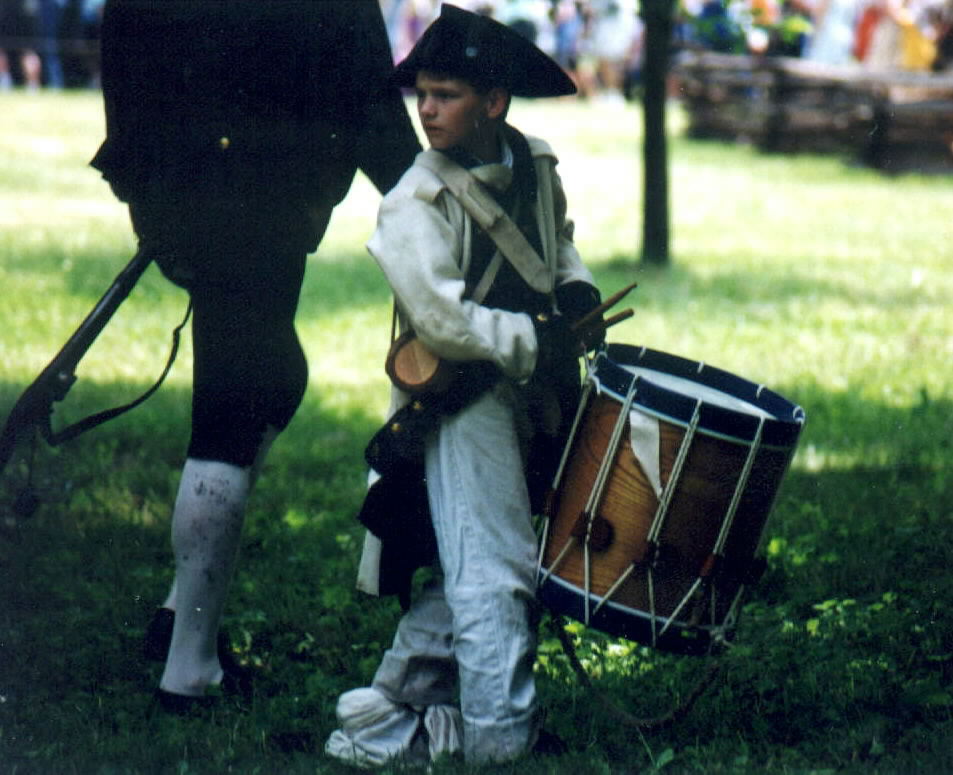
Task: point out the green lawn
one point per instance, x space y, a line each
826 282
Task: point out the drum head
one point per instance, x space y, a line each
670 388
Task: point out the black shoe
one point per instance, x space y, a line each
155 644
549 744
182 704
235 689
158 638
237 681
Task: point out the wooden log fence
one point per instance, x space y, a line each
892 120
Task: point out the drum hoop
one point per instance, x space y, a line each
780 430
622 621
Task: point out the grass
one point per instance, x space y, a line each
827 282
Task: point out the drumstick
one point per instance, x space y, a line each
601 325
617 318
610 302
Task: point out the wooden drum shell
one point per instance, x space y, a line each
710 480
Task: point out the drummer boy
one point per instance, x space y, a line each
458 677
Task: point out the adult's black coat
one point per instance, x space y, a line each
249 98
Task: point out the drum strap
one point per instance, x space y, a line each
481 207
490 217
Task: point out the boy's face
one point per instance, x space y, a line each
453 113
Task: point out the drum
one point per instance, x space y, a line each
660 501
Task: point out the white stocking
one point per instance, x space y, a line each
271 433
206 529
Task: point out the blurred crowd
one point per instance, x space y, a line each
54 43
598 42
914 35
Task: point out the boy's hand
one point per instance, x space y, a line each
576 300
556 341
588 312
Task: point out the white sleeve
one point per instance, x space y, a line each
420 252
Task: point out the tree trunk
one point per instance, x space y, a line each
657 15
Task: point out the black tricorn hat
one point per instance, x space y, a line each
486 53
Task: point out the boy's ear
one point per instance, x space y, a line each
496 101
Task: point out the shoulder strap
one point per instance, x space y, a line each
483 209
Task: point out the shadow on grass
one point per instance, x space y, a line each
861 433
843 652
83 575
154 436
333 282
772 284
844 655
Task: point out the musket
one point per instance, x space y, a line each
34 409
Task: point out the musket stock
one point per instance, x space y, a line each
34 408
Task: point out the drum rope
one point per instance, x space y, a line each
726 525
559 559
613 443
740 487
557 479
730 617
595 495
602 477
650 581
580 411
587 570
675 475
657 722
614 588
655 529
678 609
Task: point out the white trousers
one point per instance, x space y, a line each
473 628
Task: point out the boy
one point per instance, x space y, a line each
472 626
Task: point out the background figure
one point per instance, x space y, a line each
789 35
944 38
232 130
529 18
832 41
49 30
393 16
919 22
712 28
869 16
80 26
568 24
905 36
406 21
882 49
614 27
20 63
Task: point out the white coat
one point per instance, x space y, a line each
422 244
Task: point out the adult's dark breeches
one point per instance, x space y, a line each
249 371
243 269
